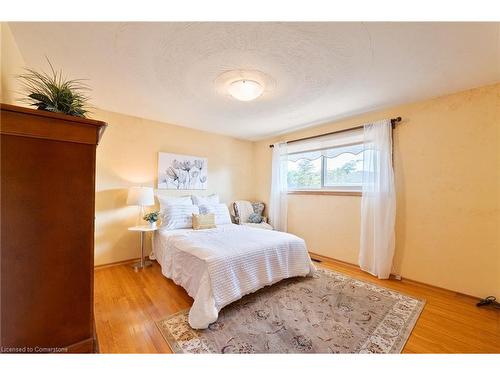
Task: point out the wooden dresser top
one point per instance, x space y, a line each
49 125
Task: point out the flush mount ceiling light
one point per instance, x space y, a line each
245 90
244 85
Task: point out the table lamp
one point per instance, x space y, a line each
140 196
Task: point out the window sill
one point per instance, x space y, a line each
326 192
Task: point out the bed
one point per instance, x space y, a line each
220 265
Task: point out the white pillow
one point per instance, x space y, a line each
178 216
211 199
166 201
220 211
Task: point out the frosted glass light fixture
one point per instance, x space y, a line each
245 90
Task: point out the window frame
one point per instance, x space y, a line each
327 189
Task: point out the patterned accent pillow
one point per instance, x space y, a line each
220 211
255 218
206 221
258 208
211 199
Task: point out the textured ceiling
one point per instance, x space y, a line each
318 71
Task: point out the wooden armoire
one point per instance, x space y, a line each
47 231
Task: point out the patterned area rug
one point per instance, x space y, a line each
327 313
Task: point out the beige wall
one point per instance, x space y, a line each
127 156
447 166
11 64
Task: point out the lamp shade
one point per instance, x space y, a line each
140 196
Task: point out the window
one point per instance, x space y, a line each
304 170
337 165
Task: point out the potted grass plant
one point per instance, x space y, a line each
54 92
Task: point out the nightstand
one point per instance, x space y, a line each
142 263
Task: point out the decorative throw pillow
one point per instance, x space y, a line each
258 208
211 199
220 211
203 221
255 218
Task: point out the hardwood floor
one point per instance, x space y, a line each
127 304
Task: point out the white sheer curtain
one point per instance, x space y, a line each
278 201
378 203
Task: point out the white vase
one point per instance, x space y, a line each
152 224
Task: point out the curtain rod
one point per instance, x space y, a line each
394 121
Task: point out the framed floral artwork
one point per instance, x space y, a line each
182 172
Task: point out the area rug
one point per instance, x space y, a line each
327 313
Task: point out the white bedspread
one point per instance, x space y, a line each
219 266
